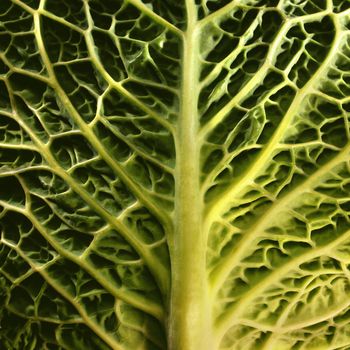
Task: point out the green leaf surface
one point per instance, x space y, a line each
174 174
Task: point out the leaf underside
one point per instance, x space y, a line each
92 101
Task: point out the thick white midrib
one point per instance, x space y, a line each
189 319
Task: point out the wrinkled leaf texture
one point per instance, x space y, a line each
121 118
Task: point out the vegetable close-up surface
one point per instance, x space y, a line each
174 175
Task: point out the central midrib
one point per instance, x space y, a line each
189 319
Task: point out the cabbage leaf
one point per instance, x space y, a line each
174 174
